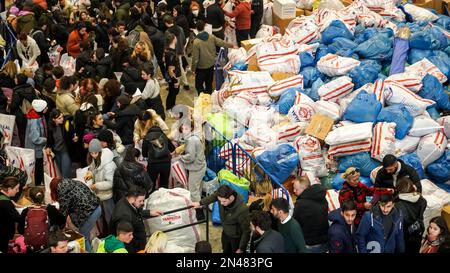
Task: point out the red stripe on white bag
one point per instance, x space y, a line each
333 207
348 90
312 157
191 219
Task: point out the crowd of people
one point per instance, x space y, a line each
110 113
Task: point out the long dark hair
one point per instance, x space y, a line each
440 222
131 154
53 115
97 161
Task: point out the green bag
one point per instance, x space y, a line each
223 124
230 177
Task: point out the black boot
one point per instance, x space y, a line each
200 214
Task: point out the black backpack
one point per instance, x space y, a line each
158 144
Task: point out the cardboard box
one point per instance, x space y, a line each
278 76
284 8
299 12
446 214
253 64
428 4
347 2
444 6
281 23
76 236
437 5
247 44
308 12
320 126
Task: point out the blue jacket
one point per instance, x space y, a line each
341 240
371 233
35 134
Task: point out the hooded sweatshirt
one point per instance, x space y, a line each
111 245
340 234
194 153
204 50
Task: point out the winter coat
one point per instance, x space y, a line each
10 217
76 199
258 11
124 123
6 81
103 175
412 206
42 42
73 43
242 13
118 58
234 218
181 38
84 61
132 80
270 242
141 130
124 211
21 92
358 194
215 16
292 233
36 133
30 53
194 153
311 212
128 174
204 50
68 132
122 13
147 148
26 21
341 237
111 245
103 68
65 102
182 21
157 38
385 180
101 36
371 230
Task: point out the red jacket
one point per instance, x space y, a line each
73 43
358 195
243 13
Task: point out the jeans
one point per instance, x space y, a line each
64 163
323 248
108 206
229 244
242 35
88 226
172 96
204 80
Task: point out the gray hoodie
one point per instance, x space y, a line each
194 153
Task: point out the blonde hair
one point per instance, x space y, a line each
303 181
10 69
147 53
157 243
264 189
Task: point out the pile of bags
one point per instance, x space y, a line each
336 63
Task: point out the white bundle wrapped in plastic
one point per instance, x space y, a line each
436 198
303 31
367 17
238 107
331 4
407 145
336 89
302 98
266 31
350 148
349 133
310 155
260 136
424 125
277 88
334 65
420 14
301 112
329 109
431 147
424 67
332 198
411 81
343 123
379 91
285 64
261 115
304 4
250 81
379 5
398 94
289 132
383 141
445 123
170 199
237 55
275 48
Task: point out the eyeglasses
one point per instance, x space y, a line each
355 171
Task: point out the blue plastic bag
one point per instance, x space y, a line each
363 161
313 92
379 47
342 47
434 114
209 175
338 181
279 162
241 191
366 72
400 115
414 161
287 100
336 29
306 59
416 55
439 170
432 89
429 38
371 32
445 187
444 21
442 61
214 162
241 66
310 75
215 215
363 108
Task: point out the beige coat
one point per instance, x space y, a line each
141 130
65 102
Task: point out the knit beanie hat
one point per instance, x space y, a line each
39 105
106 136
95 146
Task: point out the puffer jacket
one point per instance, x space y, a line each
103 68
141 129
124 123
340 235
128 174
103 175
157 38
132 80
36 133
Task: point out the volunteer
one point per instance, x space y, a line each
242 13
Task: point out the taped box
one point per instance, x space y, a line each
247 44
281 23
253 64
299 12
278 76
429 4
446 214
320 126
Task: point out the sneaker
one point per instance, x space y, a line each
200 214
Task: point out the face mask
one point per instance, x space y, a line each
195 12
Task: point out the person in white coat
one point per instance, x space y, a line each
101 172
28 50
